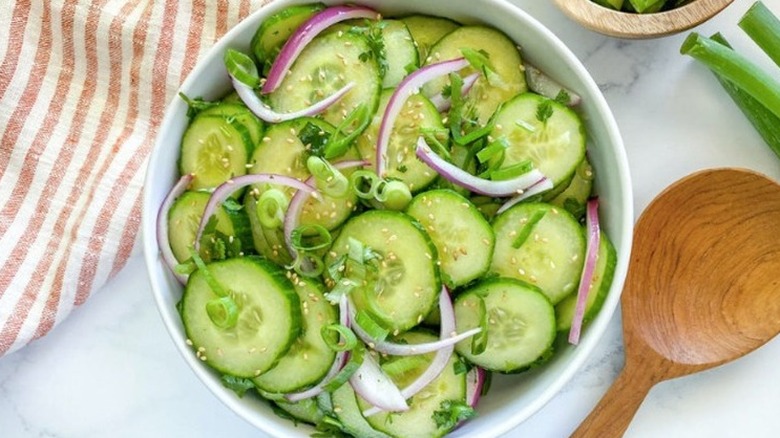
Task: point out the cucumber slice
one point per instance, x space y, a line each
282 151
426 30
214 149
305 410
310 357
555 146
184 219
400 52
542 245
602 280
486 94
347 411
576 195
463 238
242 115
277 29
269 318
327 64
419 420
519 319
417 116
403 286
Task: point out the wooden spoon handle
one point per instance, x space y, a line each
613 414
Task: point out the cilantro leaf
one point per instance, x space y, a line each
544 111
239 385
563 97
452 412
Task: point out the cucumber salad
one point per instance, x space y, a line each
379 215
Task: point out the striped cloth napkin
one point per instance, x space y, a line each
83 88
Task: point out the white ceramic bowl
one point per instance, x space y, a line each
512 399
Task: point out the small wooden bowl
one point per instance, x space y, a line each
640 26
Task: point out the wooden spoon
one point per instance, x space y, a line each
638 26
703 286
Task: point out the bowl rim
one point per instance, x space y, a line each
627 25
622 233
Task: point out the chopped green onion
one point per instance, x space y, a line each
736 68
480 340
394 195
329 180
527 228
308 265
763 27
360 179
320 240
495 149
223 312
512 171
403 364
215 286
346 339
367 323
241 67
271 208
355 360
339 142
766 124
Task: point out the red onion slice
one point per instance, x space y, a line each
371 383
408 86
475 379
307 32
263 111
162 225
440 360
586 280
227 188
293 215
443 103
540 186
456 175
338 362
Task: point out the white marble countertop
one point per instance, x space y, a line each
112 370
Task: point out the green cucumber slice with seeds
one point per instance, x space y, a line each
519 322
544 131
463 238
426 30
417 117
419 420
487 94
184 218
347 411
283 151
309 357
305 410
328 63
602 280
403 285
241 114
274 31
400 52
542 245
214 149
575 197
269 316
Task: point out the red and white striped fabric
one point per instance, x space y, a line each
83 88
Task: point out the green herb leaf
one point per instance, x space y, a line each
452 412
314 138
544 111
239 385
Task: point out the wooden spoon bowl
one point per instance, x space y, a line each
703 286
640 26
